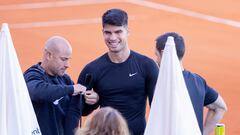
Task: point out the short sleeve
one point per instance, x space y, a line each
211 95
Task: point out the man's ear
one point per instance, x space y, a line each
128 31
161 53
47 54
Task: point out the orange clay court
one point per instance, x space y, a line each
211 30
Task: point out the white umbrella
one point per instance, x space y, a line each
171 111
17 116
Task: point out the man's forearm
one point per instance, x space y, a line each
212 118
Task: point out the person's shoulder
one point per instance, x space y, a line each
144 60
34 69
147 64
97 62
188 73
141 57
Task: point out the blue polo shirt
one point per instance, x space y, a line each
200 93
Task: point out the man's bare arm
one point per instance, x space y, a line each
215 113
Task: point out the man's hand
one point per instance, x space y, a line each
78 89
91 97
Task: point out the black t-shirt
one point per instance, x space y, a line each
124 86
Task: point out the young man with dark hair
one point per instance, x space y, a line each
123 78
200 93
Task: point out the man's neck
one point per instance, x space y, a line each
45 67
119 57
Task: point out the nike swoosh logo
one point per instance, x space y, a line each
130 75
57 101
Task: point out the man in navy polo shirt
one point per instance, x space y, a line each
200 93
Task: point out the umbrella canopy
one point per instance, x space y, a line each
17 116
171 111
